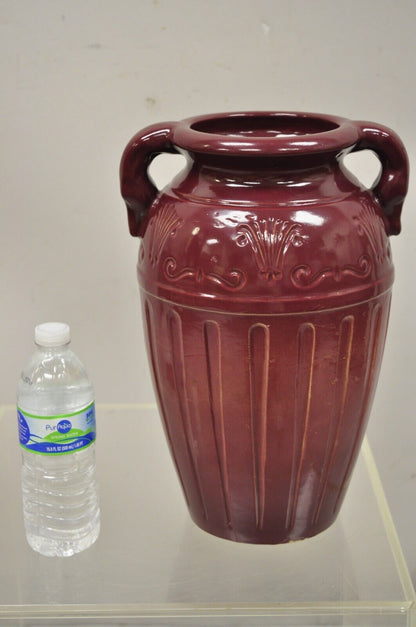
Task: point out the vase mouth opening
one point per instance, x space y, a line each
268 133
263 126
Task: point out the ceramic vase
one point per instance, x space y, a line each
265 272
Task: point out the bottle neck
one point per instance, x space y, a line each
53 350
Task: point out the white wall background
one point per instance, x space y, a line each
80 77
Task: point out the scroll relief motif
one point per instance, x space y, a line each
303 276
270 239
165 224
370 226
234 280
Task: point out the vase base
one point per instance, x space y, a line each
258 536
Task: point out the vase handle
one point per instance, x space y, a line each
137 188
391 186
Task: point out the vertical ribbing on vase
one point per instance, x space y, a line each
303 393
179 375
259 351
372 353
212 340
341 388
156 376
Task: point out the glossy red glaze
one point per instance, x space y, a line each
266 272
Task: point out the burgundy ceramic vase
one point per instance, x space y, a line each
265 272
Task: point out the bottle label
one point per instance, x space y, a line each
57 435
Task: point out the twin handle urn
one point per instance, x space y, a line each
265 272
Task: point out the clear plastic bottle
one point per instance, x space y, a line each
56 421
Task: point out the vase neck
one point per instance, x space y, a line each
245 180
265 163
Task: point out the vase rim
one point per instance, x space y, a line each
268 133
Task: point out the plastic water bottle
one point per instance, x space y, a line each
56 422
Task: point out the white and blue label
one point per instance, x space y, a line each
57 435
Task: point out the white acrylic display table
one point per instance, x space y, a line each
152 566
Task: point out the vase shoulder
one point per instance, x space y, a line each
283 257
